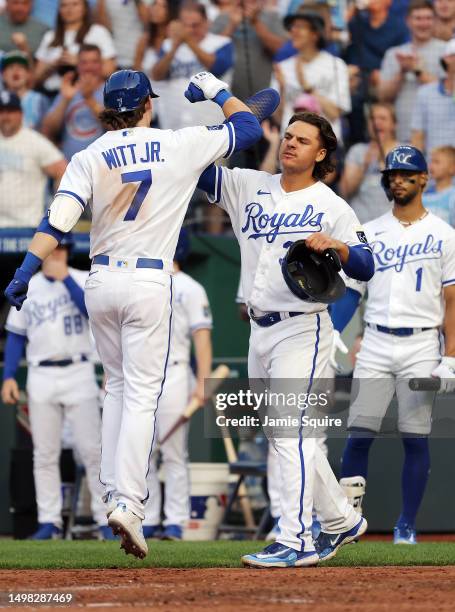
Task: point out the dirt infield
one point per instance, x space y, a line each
320 589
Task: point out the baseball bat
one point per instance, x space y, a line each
425 384
244 500
216 378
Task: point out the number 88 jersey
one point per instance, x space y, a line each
51 321
412 266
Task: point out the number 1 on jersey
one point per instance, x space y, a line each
144 177
419 273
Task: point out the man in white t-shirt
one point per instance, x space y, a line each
190 48
312 71
26 159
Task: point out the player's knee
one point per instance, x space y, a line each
45 458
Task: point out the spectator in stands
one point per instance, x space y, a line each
444 27
17 78
439 197
408 66
257 35
159 14
360 182
46 11
18 30
191 48
26 159
72 119
372 32
57 53
312 71
433 117
125 20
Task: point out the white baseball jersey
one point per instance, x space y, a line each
138 183
412 265
55 327
267 220
190 311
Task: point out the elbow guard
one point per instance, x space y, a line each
64 213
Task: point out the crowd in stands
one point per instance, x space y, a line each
381 71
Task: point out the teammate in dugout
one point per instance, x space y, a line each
61 382
191 320
292 338
410 298
138 182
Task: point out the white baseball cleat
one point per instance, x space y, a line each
128 526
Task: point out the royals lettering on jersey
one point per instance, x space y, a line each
124 180
51 321
412 265
267 220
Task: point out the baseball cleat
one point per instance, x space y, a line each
172 532
128 526
404 534
274 532
279 555
327 544
47 531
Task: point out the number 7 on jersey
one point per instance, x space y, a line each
144 177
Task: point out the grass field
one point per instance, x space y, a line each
93 554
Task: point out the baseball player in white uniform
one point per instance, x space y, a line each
291 338
191 321
138 182
53 327
411 298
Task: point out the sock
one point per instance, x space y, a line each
355 456
414 477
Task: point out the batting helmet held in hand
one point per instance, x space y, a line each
403 157
311 276
124 90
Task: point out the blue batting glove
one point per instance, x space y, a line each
194 93
16 292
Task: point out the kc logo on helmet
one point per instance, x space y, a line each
401 158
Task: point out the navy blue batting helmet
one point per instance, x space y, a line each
124 90
403 157
183 246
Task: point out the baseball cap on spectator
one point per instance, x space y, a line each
14 57
307 102
9 101
449 49
315 21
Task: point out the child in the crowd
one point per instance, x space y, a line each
439 198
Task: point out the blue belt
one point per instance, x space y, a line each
62 363
398 331
141 262
271 318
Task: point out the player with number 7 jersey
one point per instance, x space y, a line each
138 182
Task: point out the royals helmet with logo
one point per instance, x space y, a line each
403 157
125 90
311 276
